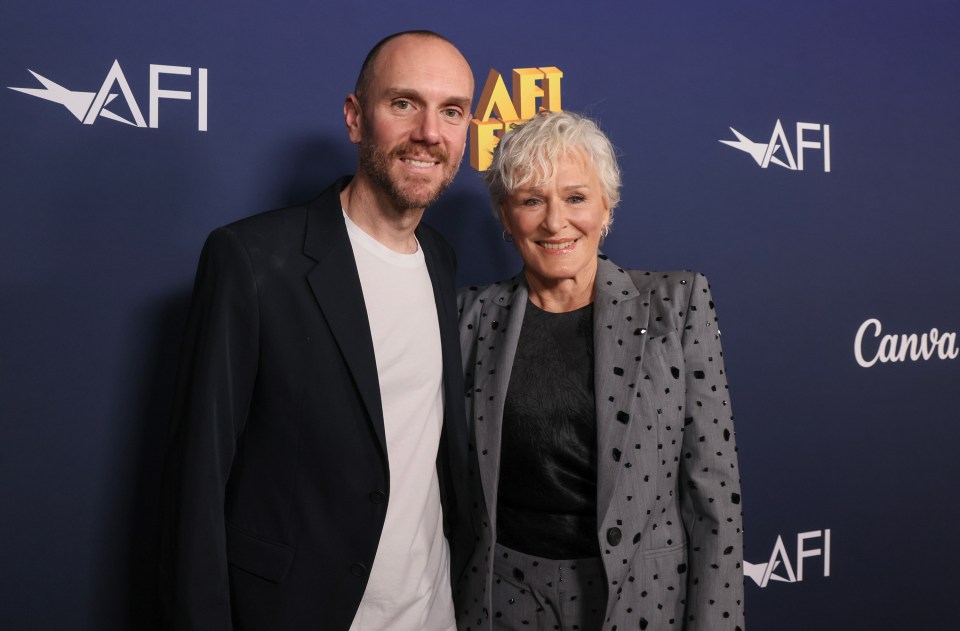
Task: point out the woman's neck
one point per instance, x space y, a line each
561 296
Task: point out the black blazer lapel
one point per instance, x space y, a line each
452 452
444 294
336 286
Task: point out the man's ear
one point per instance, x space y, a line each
353 116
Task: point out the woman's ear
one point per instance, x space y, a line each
502 214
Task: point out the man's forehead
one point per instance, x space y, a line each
418 42
396 60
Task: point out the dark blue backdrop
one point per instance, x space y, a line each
102 224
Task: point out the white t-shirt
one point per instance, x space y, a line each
409 585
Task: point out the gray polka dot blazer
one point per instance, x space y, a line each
669 515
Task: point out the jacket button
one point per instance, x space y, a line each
378 497
614 536
358 569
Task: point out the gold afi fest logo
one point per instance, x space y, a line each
529 85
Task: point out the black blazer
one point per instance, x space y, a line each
277 480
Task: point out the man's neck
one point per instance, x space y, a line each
374 213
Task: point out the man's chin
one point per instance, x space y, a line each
408 191
415 202
416 195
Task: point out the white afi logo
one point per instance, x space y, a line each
903 347
88 106
777 151
763 573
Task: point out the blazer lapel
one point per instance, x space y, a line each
444 295
497 338
620 317
335 283
452 455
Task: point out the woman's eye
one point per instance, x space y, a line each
576 199
533 201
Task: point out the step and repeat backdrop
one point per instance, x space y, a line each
803 155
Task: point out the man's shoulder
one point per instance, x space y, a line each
274 221
283 225
431 239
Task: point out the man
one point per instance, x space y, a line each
319 417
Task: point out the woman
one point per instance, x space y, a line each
597 397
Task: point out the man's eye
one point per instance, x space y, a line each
453 113
402 105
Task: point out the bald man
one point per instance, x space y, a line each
316 470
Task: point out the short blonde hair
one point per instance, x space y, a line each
530 152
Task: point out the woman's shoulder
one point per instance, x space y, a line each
471 296
651 280
656 279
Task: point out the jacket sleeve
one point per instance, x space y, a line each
214 386
709 475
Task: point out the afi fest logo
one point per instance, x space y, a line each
777 150
781 568
529 84
87 107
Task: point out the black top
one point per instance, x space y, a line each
547 497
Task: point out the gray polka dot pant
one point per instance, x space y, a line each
531 592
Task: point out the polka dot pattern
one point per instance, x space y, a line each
670 528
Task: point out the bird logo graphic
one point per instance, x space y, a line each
88 106
763 154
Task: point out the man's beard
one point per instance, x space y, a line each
376 163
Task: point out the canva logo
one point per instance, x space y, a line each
497 111
88 107
781 568
904 347
777 150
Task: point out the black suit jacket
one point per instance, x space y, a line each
277 480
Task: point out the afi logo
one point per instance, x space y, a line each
777 151
763 573
88 106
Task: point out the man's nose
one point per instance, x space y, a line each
427 129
